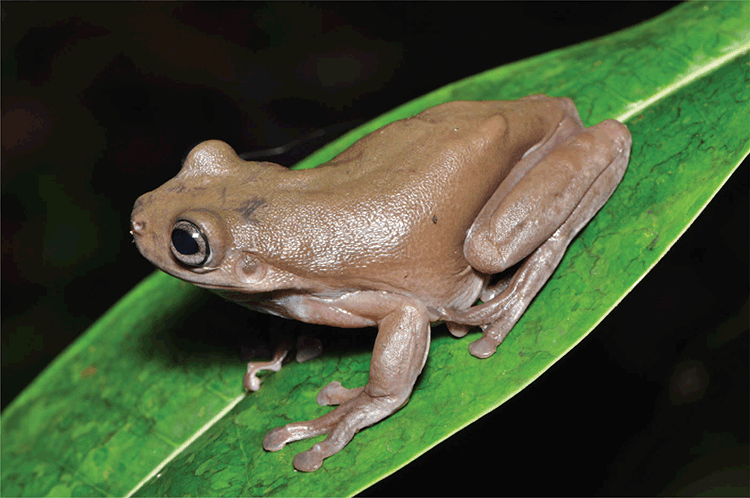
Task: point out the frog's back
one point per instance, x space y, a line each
395 206
446 141
448 155
398 200
459 152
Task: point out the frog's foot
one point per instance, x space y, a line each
358 412
498 316
251 380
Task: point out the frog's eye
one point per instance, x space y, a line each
189 244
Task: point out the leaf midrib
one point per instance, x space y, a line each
177 451
680 83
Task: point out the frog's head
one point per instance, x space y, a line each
206 225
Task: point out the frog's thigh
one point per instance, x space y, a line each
503 311
398 358
544 198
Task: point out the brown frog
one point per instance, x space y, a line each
410 225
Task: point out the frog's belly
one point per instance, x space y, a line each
434 286
360 308
330 309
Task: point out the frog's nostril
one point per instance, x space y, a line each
137 227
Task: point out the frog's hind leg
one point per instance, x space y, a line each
488 294
498 316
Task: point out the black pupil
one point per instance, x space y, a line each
184 242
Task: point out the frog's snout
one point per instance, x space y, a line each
137 227
138 217
137 231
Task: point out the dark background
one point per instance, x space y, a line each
101 101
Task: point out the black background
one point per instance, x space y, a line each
100 102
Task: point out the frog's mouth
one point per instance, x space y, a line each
204 278
262 302
239 297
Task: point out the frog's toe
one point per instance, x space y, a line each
276 439
251 382
308 461
482 348
312 459
492 336
458 329
338 438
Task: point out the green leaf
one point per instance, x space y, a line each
124 411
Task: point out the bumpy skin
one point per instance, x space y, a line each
405 227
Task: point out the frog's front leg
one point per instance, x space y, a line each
399 355
536 221
251 380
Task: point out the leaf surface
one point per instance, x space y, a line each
124 411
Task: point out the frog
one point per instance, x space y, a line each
458 214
